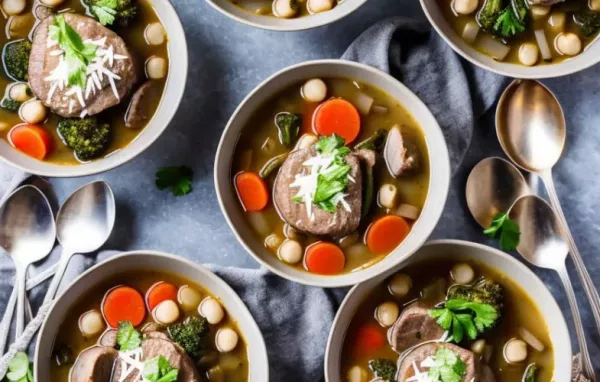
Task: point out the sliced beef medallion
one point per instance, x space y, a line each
45 57
400 153
473 372
108 338
414 326
94 364
338 224
142 105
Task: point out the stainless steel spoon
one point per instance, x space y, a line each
543 244
531 129
27 234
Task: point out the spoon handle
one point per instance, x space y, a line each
60 271
587 282
20 285
586 361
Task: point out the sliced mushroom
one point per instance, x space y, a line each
400 154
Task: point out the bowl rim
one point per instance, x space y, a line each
561 324
179 66
521 71
257 345
289 25
353 278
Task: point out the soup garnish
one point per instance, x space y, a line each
74 87
174 331
526 32
463 322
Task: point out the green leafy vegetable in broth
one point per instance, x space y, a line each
158 369
288 125
105 10
272 165
78 55
530 373
485 292
384 369
375 142
10 104
191 335
508 24
19 370
15 56
507 230
461 318
488 15
88 137
110 12
446 366
127 337
178 178
588 20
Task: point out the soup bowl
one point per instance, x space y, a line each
456 250
151 261
584 60
341 10
171 97
439 168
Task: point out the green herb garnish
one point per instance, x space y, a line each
288 125
507 229
19 370
105 10
461 317
158 369
332 183
447 366
78 55
127 337
178 178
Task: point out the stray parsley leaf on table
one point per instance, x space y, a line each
507 231
460 318
127 337
18 369
178 178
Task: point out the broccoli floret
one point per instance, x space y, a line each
488 15
113 12
288 125
383 369
503 21
192 335
508 24
589 21
10 104
87 137
487 293
15 56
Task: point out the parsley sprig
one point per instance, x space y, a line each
178 178
506 229
77 54
447 366
158 369
127 337
105 10
335 181
19 370
461 317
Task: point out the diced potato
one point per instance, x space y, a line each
387 196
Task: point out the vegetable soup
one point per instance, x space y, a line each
149 325
286 9
331 174
80 80
464 320
526 32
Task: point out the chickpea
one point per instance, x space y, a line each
166 313
314 90
154 34
211 310
465 7
290 251
462 273
226 340
13 7
91 323
387 313
33 112
52 3
594 5
156 68
19 92
515 351
284 9
568 44
318 6
400 284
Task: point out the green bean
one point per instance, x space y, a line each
374 142
272 165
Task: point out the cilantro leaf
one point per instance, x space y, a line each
105 14
447 366
507 229
178 178
327 145
158 369
19 370
127 337
461 317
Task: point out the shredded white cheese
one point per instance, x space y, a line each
422 376
130 362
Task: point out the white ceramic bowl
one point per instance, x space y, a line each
161 262
457 249
243 16
177 75
438 154
589 57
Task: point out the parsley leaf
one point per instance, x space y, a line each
461 318
127 337
447 366
19 370
507 229
105 10
179 178
158 369
327 145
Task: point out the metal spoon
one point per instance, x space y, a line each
27 234
531 129
543 244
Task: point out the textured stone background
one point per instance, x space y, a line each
227 60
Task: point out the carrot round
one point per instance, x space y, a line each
386 233
31 140
252 191
159 292
123 303
368 339
337 116
324 258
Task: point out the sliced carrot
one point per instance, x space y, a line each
307 118
252 191
159 292
337 116
368 339
123 303
33 140
386 233
325 258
